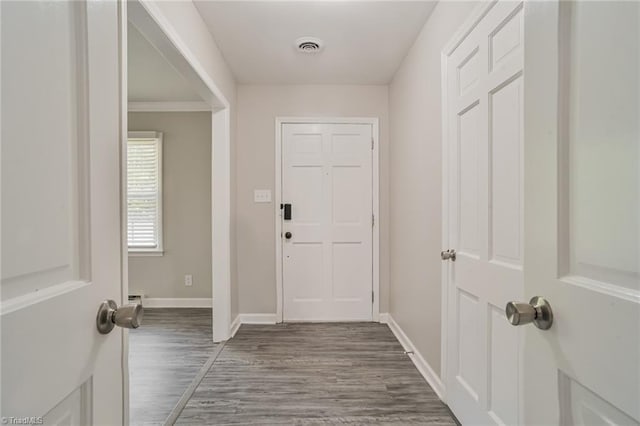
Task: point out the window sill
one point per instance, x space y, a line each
143 253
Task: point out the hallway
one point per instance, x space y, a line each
304 373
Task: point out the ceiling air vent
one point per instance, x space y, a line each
309 45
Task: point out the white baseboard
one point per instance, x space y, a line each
251 319
421 364
235 325
258 318
170 302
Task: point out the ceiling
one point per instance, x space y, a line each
364 41
150 76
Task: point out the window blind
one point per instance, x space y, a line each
144 182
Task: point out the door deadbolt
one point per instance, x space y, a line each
109 315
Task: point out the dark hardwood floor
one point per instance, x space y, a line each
338 373
165 354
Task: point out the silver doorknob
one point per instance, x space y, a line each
449 254
538 311
127 316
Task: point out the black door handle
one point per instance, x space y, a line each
288 235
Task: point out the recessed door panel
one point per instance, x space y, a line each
505 142
44 138
469 184
602 153
470 345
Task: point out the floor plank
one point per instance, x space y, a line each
165 354
338 373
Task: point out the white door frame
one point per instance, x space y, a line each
151 22
469 25
373 121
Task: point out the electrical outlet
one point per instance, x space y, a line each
188 280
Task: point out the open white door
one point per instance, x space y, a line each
582 219
61 221
482 93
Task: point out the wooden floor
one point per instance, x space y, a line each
165 354
338 373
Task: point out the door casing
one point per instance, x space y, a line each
373 121
152 23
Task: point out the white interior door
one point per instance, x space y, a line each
582 116
484 192
327 261
61 229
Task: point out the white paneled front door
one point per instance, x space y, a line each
483 204
327 241
582 227
61 223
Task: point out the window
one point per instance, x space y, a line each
144 192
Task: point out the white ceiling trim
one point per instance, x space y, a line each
190 106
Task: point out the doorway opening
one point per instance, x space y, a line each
176 195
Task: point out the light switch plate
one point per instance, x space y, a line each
262 196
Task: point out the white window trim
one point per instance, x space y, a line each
159 249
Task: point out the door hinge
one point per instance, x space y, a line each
373 295
373 220
371 144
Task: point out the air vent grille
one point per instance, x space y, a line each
309 45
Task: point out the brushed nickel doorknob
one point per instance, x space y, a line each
449 254
127 316
538 311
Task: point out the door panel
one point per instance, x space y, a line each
42 229
505 174
75 409
582 229
327 264
485 204
61 238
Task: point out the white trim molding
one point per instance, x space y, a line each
171 302
251 319
258 318
418 360
374 122
235 325
169 106
147 16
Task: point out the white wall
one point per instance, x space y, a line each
415 183
258 106
188 24
186 209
